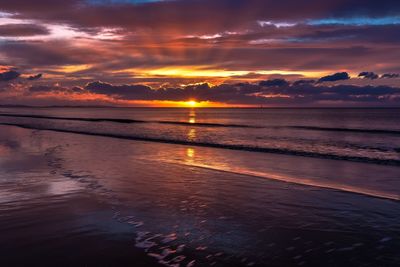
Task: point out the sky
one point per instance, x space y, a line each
205 53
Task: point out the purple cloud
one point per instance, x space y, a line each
340 76
368 75
9 76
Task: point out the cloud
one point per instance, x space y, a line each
118 40
390 75
274 82
176 13
35 77
9 75
135 91
45 89
368 75
37 54
19 30
303 94
340 76
357 21
56 89
109 2
303 82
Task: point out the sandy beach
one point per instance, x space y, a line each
65 203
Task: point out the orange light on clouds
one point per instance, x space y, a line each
5 68
109 100
210 72
73 68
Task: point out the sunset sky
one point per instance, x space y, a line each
214 52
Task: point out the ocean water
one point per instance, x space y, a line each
199 187
365 135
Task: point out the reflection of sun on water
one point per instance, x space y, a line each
192 116
191 135
190 152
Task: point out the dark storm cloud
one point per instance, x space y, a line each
9 75
35 77
368 75
17 30
340 76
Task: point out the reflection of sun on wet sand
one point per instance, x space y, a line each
290 179
190 155
190 152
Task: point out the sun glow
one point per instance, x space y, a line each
180 104
192 103
193 71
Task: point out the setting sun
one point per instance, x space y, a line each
191 103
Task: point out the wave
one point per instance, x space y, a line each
393 162
201 124
354 130
72 119
204 124
289 179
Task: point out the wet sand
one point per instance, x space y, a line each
73 200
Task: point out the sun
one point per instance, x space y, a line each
192 103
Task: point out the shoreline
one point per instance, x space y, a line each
138 209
